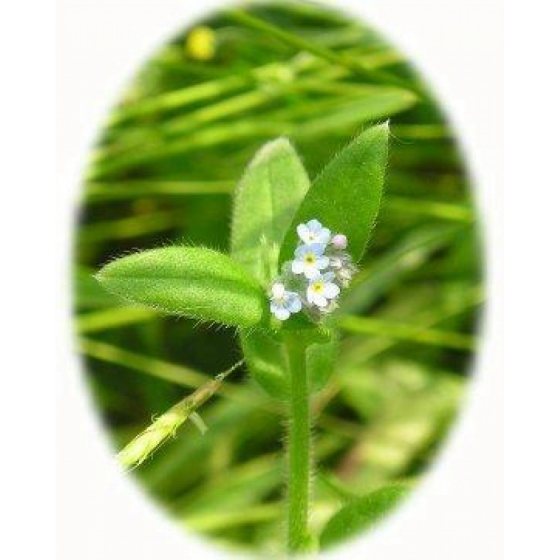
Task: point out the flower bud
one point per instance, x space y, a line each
339 241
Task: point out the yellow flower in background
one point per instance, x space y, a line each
200 43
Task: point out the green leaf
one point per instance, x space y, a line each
192 282
347 194
267 362
320 363
359 514
265 203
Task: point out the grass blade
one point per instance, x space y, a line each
418 334
112 318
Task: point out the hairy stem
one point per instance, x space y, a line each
298 449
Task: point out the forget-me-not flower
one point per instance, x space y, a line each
310 260
312 282
314 232
283 302
321 289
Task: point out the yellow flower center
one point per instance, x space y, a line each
310 258
317 287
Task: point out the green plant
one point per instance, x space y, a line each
164 168
288 342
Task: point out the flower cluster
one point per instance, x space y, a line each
313 280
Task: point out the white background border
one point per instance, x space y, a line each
456 515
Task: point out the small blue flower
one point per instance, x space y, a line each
310 260
283 303
321 268
313 232
321 289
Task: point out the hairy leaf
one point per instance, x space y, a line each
193 282
265 203
346 196
359 514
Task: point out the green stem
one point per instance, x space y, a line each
299 448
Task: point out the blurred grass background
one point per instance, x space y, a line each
162 172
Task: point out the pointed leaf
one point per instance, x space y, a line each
265 203
193 282
347 194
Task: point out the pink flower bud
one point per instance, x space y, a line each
339 241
